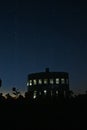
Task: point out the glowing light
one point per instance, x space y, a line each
45 91
35 81
30 82
57 81
51 81
40 81
62 81
35 94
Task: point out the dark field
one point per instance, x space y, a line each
55 114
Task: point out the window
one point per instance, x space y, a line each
35 81
30 82
45 81
45 92
35 94
40 81
62 81
51 81
56 92
57 81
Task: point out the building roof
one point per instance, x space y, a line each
48 74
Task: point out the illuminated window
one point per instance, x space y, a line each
51 81
57 81
40 81
35 94
45 92
45 81
62 81
35 81
30 82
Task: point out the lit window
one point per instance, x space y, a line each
57 81
40 81
62 81
35 94
51 81
45 92
35 81
30 82
45 81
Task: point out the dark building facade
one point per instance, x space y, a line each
48 84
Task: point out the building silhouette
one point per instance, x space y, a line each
48 84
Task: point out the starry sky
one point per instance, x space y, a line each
35 34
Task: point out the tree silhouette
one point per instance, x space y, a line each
15 92
8 96
71 93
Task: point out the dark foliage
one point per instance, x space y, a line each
44 112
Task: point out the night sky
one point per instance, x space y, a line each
38 34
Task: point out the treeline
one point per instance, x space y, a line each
44 112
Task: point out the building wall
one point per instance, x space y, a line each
48 83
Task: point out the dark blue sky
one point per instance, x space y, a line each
38 34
